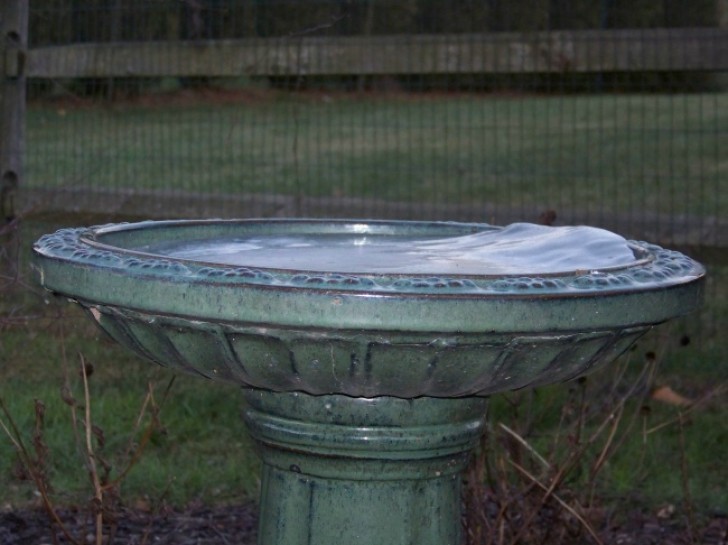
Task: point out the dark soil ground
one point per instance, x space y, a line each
236 525
200 526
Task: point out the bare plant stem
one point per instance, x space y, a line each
698 404
526 445
571 460
562 503
138 451
91 459
685 481
11 430
616 418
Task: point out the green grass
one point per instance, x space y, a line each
630 153
201 453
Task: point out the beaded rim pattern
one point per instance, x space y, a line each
659 267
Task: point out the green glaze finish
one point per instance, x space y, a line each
362 364
339 469
362 335
365 391
104 266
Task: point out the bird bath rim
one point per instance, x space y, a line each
91 265
91 245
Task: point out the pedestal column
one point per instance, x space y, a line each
339 470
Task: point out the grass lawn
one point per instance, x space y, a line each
628 153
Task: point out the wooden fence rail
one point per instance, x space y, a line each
682 49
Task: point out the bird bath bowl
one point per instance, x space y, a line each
366 350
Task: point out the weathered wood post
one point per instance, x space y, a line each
13 44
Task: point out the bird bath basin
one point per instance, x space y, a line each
366 350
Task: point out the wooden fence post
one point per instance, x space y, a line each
13 45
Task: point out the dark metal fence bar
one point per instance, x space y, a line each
13 42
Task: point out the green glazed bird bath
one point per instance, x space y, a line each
366 349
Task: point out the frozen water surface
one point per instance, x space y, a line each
520 248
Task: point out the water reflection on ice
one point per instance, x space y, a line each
520 248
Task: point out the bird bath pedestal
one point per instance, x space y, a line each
366 350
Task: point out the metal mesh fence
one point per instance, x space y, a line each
611 113
412 108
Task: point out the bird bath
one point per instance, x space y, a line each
366 350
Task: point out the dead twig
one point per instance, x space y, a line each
154 425
685 482
550 494
525 444
700 403
90 458
37 475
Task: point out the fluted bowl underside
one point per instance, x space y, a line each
370 308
